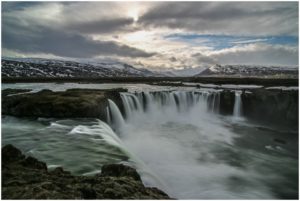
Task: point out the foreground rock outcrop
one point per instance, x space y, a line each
74 103
27 178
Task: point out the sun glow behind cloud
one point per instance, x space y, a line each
138 36
134 14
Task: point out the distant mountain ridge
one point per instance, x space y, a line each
250 71
35 67
28 67
185 72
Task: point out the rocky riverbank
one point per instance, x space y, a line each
27 178
262 105
72 103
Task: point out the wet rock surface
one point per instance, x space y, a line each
227 99
273 106
264 106
27 178
74 103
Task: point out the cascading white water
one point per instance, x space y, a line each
153 102
108 118
237 110
131 103
216 103
110 137
117 119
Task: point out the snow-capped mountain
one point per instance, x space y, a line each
250 71
28 67
34 67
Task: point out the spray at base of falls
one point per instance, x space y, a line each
107 134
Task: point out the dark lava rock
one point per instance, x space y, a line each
34 163
72 103
119 170
28 178
227 99
264 106
88 193
11 154
272 106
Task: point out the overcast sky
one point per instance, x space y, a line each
154 34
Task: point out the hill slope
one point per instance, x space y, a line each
58 68
250 71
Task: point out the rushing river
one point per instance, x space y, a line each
174 137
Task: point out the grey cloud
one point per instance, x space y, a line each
226 17
97 17
203 59
24 30
259 54
102 26
15 6
39 39
216 10
173 59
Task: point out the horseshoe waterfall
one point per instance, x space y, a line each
183 139
191 143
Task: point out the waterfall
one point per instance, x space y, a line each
148 101
180 101
175 102
216 106
237 110
213 102
116 116
108 118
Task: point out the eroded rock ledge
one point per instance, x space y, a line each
265 106
27 178
71 103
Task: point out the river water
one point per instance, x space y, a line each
174 137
